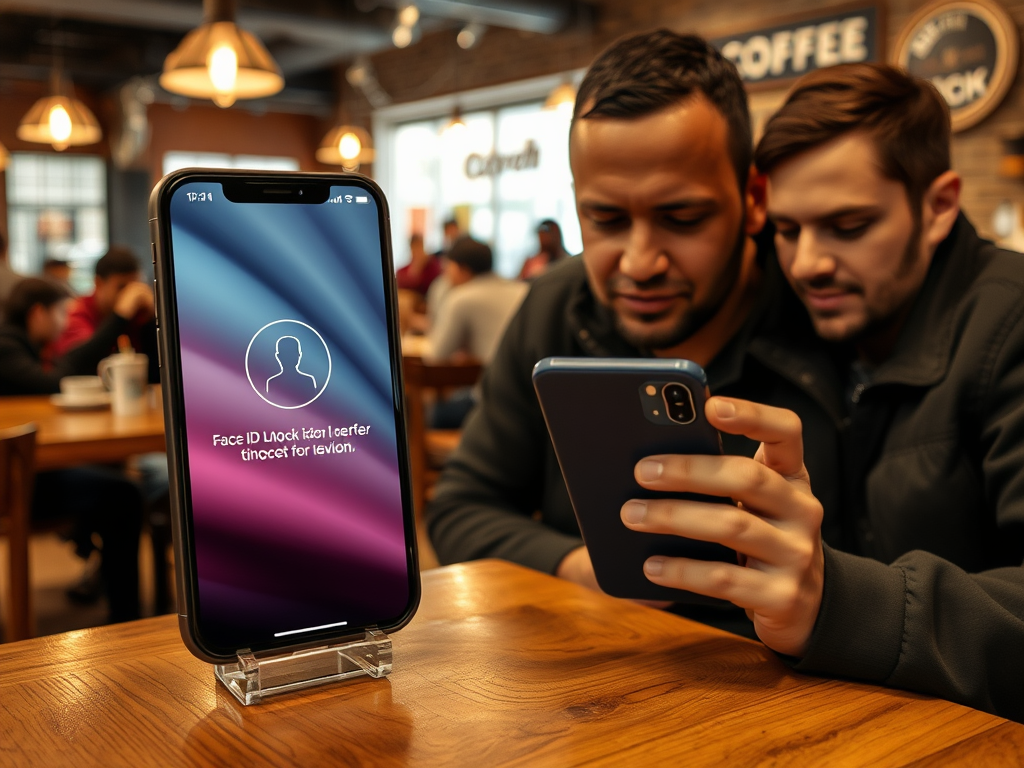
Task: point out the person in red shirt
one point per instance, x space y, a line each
422 269
117 272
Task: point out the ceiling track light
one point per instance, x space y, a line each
220 61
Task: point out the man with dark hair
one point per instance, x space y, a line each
925 588
99 499
669 207
477 309
116 273
551 250
58 270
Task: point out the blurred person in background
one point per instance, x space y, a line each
58 270
551 250
116 274
36 315
422 269
101 501
472 319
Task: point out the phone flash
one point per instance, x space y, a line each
651 390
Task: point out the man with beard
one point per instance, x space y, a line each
669 207
924 589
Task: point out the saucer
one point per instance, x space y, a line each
84 402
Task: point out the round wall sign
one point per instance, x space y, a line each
968 50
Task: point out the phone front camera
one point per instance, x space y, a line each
678 403
300 192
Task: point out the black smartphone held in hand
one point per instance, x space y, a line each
282 389
604 415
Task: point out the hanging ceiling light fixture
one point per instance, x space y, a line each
59 119
220 61
456 126
562 98
346 145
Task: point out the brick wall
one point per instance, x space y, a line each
436 66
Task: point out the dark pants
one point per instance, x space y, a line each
99 500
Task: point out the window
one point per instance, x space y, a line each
175 160
503 173
57 209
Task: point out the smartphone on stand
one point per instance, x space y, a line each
603 416
282 390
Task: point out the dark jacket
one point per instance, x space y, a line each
22 371
934 455
502 494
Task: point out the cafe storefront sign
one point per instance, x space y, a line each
968 50
785 51
478 165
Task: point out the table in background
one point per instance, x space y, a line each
68 438
501 666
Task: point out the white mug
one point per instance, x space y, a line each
127 377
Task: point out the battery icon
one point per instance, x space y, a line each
362 199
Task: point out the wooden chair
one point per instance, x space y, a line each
17 475
430 448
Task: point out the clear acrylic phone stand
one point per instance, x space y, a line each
255 677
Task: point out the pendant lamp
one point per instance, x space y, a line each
60 119
346 145
220 61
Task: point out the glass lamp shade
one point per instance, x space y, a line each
221 62
61 121
346 145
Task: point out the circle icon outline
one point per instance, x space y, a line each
248 375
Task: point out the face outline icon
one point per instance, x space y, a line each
288 364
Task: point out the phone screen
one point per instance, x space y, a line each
292 467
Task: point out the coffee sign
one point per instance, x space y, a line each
785 51
968 50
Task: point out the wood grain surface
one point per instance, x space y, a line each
69 438
502 666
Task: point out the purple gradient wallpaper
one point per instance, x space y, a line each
293 467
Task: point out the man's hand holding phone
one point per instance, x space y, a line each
775 524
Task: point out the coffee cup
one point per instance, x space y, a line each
81 389
127 378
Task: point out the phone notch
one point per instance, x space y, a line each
667 402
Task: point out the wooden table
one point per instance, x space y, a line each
502 666
68 438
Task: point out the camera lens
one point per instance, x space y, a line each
678 403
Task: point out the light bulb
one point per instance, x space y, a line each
222 65
349 146
402 36
60 127
409 15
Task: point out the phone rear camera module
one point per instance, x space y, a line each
678 402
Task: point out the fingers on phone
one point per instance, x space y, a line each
728 525
780 430
749 482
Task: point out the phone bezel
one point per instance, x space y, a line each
174 412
